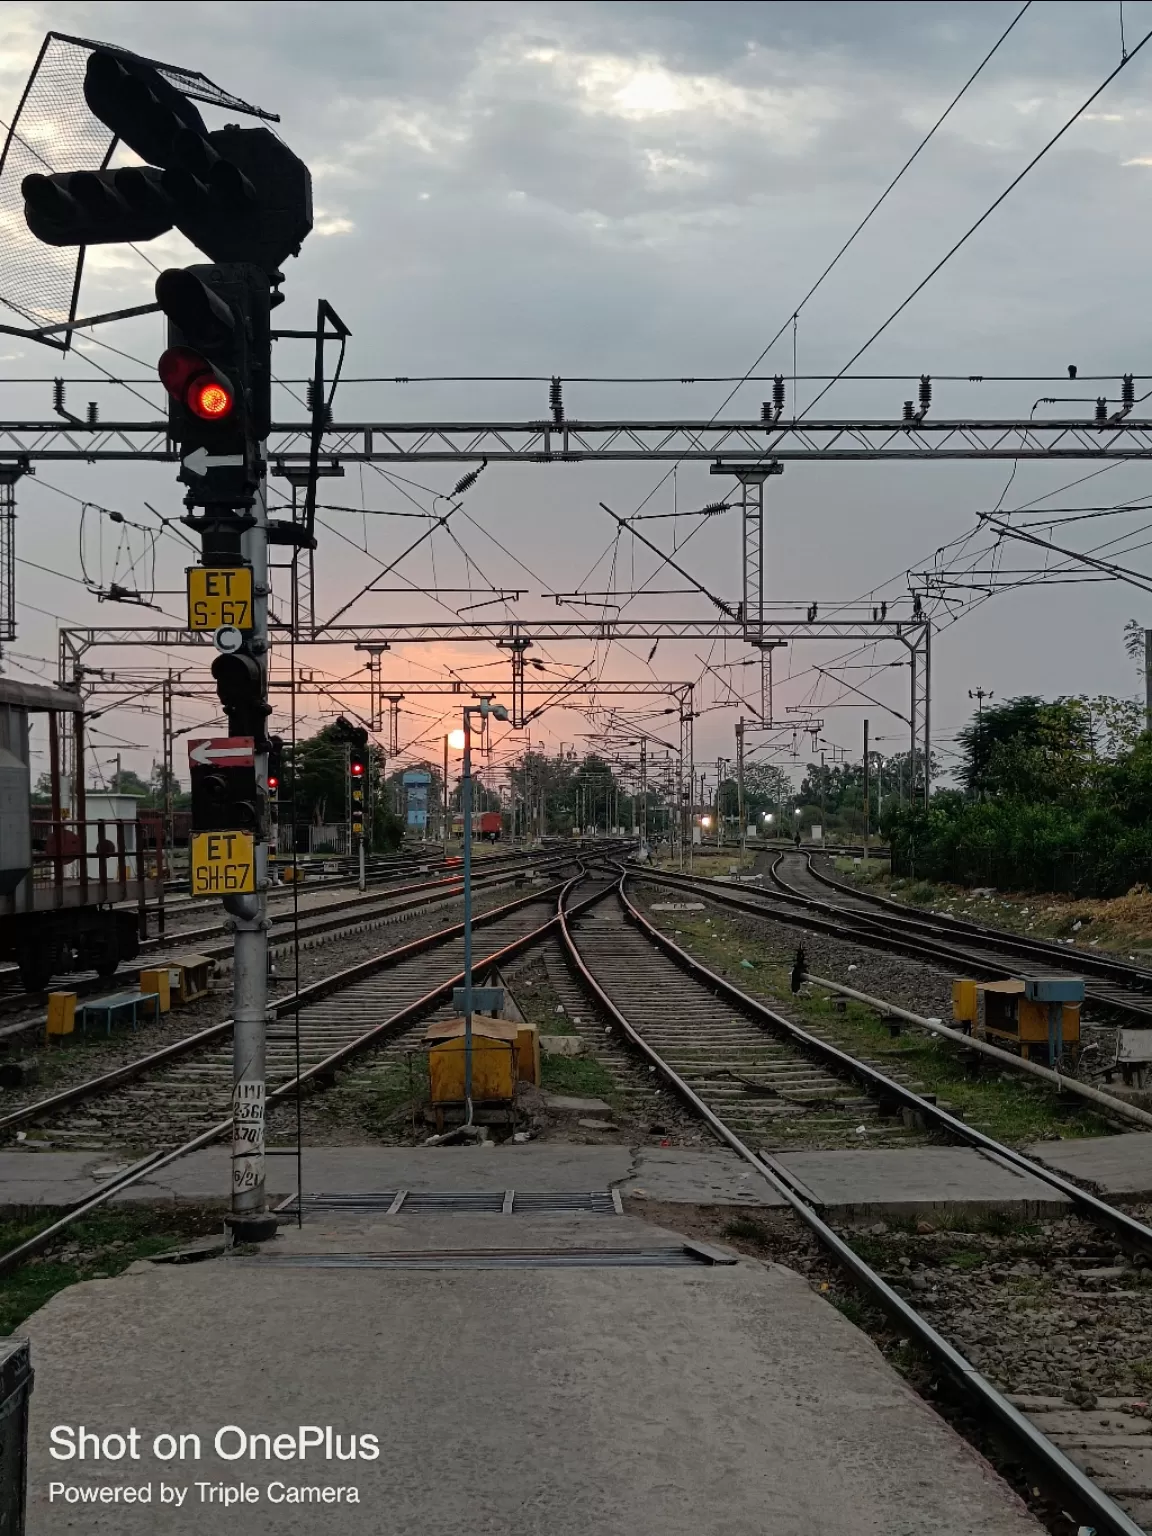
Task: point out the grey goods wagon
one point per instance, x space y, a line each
73 892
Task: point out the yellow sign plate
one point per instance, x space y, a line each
219 596
223 864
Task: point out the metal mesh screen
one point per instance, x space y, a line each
53 131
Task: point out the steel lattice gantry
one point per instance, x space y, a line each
748 449
573 441
912 634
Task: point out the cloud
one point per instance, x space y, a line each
331 224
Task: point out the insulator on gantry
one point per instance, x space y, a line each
310 399
925 393
466 482
1128 392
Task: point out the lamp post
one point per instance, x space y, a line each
483 709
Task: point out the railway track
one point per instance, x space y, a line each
1117 986
335 918
1119 989
709 1040
177 1099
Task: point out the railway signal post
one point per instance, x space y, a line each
245 200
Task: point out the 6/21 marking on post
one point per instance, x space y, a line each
248 1099
223 863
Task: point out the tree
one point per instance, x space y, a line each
125 782
1134 643
1027 749
315 780
766 786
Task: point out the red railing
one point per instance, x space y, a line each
95 861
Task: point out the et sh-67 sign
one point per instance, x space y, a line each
223 864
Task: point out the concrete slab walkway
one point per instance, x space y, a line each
1113 1165
850 1185
624 1401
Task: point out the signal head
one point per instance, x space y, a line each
192 381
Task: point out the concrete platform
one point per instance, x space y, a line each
712 1177
625 1401
1113 1165
850 1186
917 1181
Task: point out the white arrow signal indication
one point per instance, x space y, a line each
231 751
200 461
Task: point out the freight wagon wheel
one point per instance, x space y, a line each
35 971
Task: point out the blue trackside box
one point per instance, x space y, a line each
1054 989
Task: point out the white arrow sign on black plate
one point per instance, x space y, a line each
200 461
222 749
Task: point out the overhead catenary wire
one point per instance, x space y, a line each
984 217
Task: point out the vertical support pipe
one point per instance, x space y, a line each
867 795
743 820
80 795
249 1217
57 838
927 714
466 808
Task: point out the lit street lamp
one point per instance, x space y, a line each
483 709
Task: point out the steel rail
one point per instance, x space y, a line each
14 1257
352 908
853 927
1044 1459
1118 1108
312 993
1134 1233
1105 967
1106 1101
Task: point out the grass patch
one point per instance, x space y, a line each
848 1306
101 1245
583 1076
1007 1106
1121 923
378 1097
965 1260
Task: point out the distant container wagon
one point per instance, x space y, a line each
485 824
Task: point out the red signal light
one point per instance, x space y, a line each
196 384
210 400
273 782
356 770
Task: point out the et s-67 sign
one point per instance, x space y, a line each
223 864
219 597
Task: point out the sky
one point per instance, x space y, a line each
634 191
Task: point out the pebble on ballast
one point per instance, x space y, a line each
559 1007
851 967
861 1130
